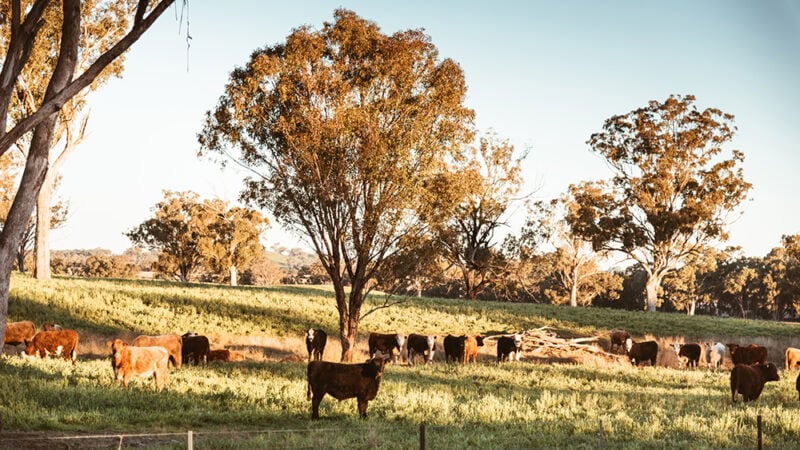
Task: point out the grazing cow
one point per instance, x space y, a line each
58 343
716 354
690 352
315 343
506 345
343 381
420 345
471 345
19 332
454 347
143 362
750 355
639 352
618 338
749 380
194 347
792 358
171 342
386 344
49 326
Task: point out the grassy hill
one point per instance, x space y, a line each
485 405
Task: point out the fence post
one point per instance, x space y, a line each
758 423
190 440
601 434
422 436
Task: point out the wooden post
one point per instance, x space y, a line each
758 422
190 440
601 434
422 436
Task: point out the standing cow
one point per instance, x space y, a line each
506 345
618 338
194 348
792 358
640 352
386 344
172 343
750 355
57 343
716 354
471 344
315 344
143 362
420 345
19 332
749 380
343 381
454 348
688 352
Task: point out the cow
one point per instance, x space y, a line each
49 326
749 380
750 355
618 338
58 343
420 345
716 354
225 355
690 352
19 332
172 343
454 348
142 362
639 352
386 344
792 358
194 348
343 381
797 386
506 345
315 344
471 345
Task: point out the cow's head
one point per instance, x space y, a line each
116 350
189 334
310 334
30 350
517 340
479 339
676 347
373 368
769 371
628 344
400 339
732 347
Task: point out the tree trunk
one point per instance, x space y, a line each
41 268
690 309
573 291
234 280
21 259
651 287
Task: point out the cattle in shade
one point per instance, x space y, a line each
792 358
225 355
454 348
19 332
749 380
62 343
315 343
49 326
386 344
172 343
506 345
715 351
640 352
471 345
750 355
688 352
423 345
618 338
194 348
343 381
143 362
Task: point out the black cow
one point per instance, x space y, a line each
386 344
749 380
506 345
618 338
750 355
420 345
691 352
454 347
315 343
797 386
639 352
195 348
343 381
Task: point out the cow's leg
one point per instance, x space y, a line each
177 361
315 401
517 355
362 407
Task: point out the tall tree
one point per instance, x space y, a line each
672 190
342 128
63 83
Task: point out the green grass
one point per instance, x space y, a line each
512 405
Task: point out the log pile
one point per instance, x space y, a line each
543 345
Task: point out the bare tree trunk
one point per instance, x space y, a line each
234 279
651 287
21 259
41 267
690 309
573 291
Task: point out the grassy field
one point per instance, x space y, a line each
513 405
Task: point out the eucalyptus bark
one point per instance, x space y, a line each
41 268
651 288
234 279
573 291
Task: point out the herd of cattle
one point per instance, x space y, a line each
149 356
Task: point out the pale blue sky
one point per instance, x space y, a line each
545 75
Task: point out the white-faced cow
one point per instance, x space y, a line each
418 344
506 345
386 344
640 352
315 344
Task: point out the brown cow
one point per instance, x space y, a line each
749 380
194 348
225 355
471 345
58 343
792 358
618 338
171 342
143 362
750 355
386 344
343 381
19 332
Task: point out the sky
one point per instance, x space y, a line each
544 75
